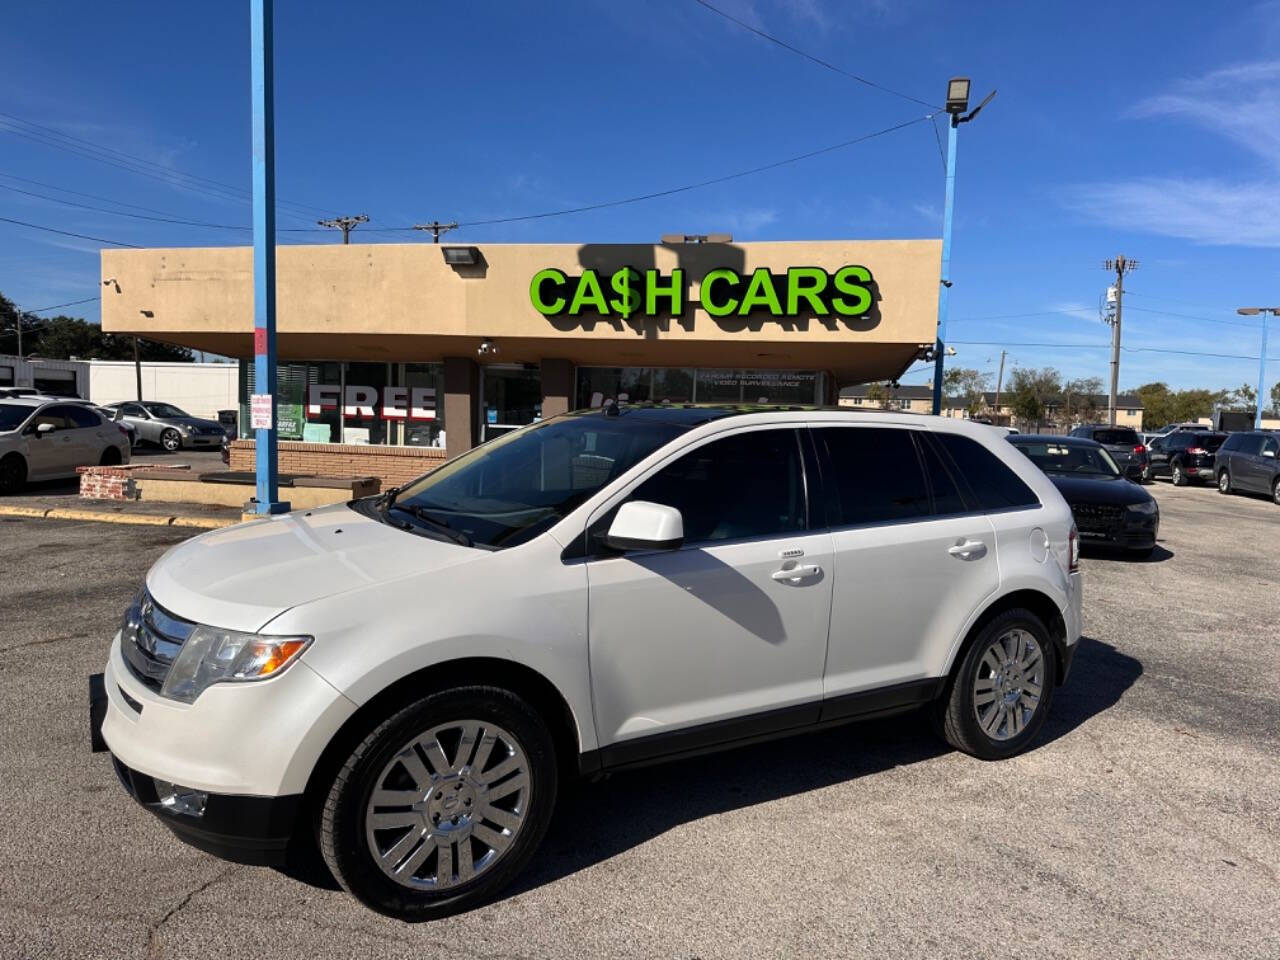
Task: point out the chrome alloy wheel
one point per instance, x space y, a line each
448 805
1008 685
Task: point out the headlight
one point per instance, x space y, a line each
212 655
1147 506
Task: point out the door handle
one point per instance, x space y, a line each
797 573
969 550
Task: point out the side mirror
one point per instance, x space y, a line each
43 428
641 525
1268 453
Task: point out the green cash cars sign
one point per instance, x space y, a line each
627 292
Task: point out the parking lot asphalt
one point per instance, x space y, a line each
1145 822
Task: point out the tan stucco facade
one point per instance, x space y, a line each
402 302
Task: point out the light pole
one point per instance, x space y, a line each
957 104
263 403
1262 356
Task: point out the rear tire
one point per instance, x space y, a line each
1176 475
13 474
110 458
1224 481
1006 724
1275 492
394 778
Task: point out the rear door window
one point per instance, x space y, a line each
994 485
1116 437
872 475
83 417
1246 444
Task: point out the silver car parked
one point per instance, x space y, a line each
42 439
166 425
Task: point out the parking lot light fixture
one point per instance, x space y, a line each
957 95
1265 312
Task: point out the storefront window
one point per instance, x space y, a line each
675 385
360 403
512 398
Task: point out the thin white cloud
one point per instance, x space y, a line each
1239 103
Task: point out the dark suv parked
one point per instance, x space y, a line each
1250 461
1184 457
1123 443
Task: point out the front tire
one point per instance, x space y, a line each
1176 475
171 440
1224 481
1275 492
997 699
13 474
442 804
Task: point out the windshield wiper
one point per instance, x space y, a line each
387 499
440 526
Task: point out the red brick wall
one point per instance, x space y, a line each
107 483
392 465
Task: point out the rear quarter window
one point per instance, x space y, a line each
995 486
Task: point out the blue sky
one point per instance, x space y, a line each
1150 129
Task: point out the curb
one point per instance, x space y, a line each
98 516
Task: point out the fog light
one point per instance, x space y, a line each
179 799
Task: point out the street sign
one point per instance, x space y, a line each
260 411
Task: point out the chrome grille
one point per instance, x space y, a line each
150 649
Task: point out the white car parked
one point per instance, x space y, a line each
408 679
43 438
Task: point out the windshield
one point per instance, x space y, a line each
512 488
164 410
1077 459
13 415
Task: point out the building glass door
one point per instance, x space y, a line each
511 397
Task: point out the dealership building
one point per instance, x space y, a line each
394 356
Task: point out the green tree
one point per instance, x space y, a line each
1157 405
1243 396
1030 393
63 337
1080 399
966 386
878 394
1275 398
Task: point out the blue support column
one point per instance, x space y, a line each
944 290
264 252
1262 373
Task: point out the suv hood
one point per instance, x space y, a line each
242 577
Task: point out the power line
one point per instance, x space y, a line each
69 303
1187 316
1088 346
693 186
122 213
1182 303
68 233
809 56
48 136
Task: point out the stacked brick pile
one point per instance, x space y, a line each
108 483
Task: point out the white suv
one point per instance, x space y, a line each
408 679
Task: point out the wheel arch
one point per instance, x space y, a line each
520 679
1039 603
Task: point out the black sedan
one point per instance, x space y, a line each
1109 508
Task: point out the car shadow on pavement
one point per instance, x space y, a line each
596 821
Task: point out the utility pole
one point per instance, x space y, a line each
1120 266
137 368
18 317
999 384
345 224
436 228
956 105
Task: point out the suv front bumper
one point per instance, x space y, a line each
253 830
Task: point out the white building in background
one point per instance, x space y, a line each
201 389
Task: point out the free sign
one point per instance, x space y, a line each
397 403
